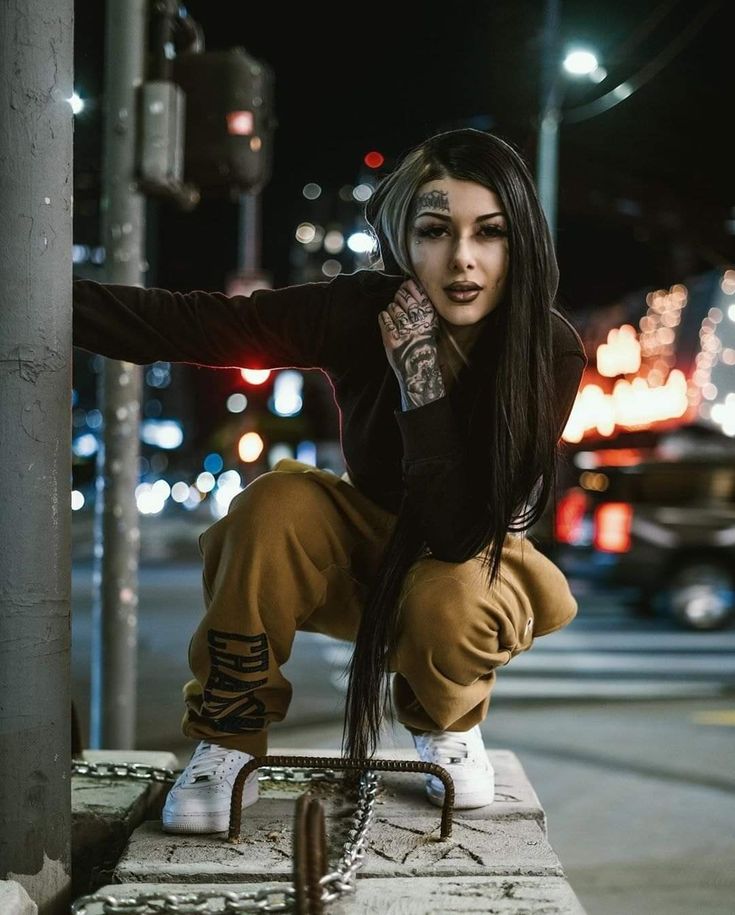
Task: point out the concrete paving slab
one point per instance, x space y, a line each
14 900
407 896
105 811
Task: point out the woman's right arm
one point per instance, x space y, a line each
272 328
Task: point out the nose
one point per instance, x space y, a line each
463 257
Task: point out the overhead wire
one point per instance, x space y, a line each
627 87
643 29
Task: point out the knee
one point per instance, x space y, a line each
273 491
266 511
269 507
451 626
436 609
442 621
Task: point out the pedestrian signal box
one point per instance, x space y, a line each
230 121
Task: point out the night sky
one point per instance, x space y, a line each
646 188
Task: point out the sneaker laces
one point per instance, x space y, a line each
448 746
205 762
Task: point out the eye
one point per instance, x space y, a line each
493 231
435 231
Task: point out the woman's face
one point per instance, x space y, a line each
457 239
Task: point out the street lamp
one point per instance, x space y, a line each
577 62
582 62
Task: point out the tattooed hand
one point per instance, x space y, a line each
409 329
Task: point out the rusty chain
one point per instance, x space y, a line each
280 898
123 770
313 887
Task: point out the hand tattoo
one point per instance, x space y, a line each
422 377
411 325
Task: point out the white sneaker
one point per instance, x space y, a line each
463 755
199 799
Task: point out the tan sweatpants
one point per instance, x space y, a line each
297 550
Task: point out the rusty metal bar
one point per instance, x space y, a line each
338 762
309 855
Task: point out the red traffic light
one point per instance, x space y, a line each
255 376
374 159
240 123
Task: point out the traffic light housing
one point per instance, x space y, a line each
229 121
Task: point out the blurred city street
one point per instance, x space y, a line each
612 718
478 269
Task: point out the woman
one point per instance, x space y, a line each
454 376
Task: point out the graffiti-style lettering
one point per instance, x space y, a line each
228 699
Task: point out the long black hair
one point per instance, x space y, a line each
511 430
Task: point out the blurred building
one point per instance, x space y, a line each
207 433
659 358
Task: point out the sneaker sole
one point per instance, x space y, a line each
209 821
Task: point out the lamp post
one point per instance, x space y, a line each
577 62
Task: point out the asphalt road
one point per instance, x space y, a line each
626 728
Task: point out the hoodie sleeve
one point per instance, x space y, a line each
272 328
436 469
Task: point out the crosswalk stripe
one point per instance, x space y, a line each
658 663
574 688
720 642
724 717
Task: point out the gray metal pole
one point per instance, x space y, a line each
248 248
36 82
547 163
117 536
548 167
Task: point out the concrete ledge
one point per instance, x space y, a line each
411 896
105 811
506 838
398 846
14 900
498 858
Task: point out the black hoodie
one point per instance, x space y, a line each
333 326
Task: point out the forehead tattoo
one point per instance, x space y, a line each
434 200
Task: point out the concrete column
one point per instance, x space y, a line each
36 82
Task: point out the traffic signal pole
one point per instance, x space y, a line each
36 80
249 231
117 534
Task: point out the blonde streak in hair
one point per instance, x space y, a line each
401 245
409 195
410 176
393 234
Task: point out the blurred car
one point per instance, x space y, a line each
658 521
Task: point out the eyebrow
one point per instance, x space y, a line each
449 219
